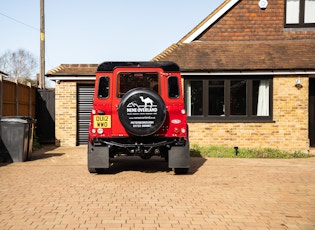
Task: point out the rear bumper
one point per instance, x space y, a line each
145 142
177 153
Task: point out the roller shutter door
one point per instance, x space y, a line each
85 103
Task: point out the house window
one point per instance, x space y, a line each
300 13
216 98
194 98
228 99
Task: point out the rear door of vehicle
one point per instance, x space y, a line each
130 78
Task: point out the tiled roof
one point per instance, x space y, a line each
74 70
202 50
242 55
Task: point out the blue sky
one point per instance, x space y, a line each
94 31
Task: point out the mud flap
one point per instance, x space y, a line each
178 156
98 157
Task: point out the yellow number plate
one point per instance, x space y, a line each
102 121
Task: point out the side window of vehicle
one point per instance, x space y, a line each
173 87
103 87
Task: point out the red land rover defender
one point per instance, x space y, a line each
138 109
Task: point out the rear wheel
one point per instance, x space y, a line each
181 171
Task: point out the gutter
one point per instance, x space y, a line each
232 73
72 78
246 73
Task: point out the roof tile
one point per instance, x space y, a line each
242 55
74 69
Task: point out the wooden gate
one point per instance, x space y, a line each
45 114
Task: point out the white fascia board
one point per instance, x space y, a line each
211 21
240 73
72 78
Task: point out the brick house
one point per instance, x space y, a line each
249 77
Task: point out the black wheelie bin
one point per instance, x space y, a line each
16 138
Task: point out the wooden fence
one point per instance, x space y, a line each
17 99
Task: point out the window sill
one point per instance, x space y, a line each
229 120
296 28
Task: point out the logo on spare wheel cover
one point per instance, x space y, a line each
142 116
142 112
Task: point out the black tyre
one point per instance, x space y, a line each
181 171
98 170
92 170
142 112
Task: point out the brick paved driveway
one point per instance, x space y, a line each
55 191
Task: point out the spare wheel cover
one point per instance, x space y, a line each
141 111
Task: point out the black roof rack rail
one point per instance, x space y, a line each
167 66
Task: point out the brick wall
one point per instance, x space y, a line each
289 131
66 113
247 22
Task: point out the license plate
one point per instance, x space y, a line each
102 121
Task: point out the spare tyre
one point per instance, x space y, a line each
142 112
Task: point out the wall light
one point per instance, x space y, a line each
263 4
298 83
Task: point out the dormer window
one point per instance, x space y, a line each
300 13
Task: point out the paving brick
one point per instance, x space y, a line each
55 191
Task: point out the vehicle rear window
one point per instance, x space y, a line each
128 81
173 87
103 87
